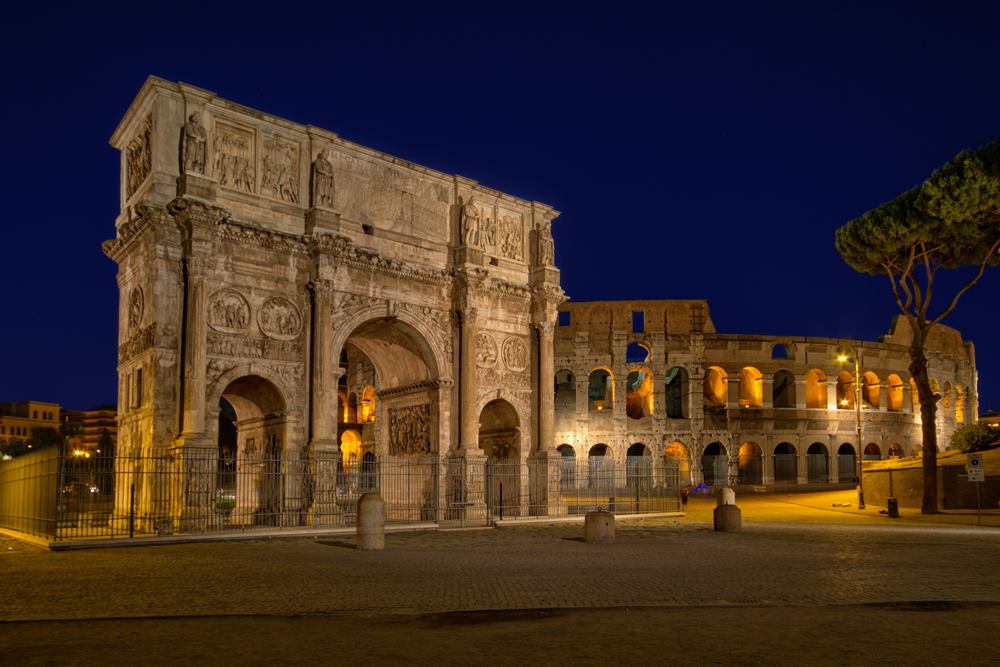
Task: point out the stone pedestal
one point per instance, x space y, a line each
599 528
197 186
727 519
371 522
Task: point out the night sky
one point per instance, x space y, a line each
706 151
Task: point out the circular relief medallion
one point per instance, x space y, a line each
134 309
279 319
515 355
228 311
486 350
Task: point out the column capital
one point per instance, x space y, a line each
546 329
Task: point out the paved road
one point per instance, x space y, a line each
810 557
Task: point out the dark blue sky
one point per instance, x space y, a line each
704 151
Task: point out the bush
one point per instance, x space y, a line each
975 438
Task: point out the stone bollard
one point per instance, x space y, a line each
599 527
371 522
727 515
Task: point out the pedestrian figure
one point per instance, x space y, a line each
684 498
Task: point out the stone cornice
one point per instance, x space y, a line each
130 231
340 247
439 383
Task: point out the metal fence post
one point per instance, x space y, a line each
131 510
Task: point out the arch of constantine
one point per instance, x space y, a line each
294 305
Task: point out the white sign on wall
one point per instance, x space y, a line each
977 475
975 460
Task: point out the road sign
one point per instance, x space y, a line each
975 460
977 475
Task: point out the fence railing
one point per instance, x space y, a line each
68 498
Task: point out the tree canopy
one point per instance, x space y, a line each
975 438
949 221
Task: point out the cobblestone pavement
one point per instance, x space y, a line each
811 558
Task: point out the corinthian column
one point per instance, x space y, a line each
195 351
322 408
467 392
546 387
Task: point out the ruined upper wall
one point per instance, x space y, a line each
179 140
941 339
675 317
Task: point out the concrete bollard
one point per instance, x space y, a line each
727 515
599 527
371 522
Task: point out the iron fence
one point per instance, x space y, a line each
70 497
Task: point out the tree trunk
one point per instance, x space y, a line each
928 414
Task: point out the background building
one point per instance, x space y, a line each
18 420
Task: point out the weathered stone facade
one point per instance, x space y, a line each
654 378
282 268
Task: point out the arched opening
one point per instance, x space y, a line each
845 391
384 354
638 466
368 404
783 390
959 404
639 394
715 465
817 463
779 351
349 470
751 388
872 452
565 402
870 387
636 353
600 469
751 464
816 392
786 464
601 389
676 393
263 492
567 475
678 455
341 407
714 388
894 393
500 440
847 464
895 451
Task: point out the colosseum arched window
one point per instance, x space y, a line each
751 388
714 388
894 393
870 386
783 389
601 389
845 391
639 394
816 390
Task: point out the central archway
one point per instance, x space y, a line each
500 440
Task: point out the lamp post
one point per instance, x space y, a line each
845 351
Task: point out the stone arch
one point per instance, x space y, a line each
404 330
368 404
786 463
637 353
639 393
600 468
341 407
783 389
751 465
817 397
638 466
870 390
845 391
263 489
896 451
715 464
678 454
715 388
817 463
601 389
847 464
872 452
500 430
352 408
893 393
567 472
676 393
782 351
751 388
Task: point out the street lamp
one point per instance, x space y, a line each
845 351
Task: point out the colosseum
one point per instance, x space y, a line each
655 379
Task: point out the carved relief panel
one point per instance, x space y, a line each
279 319
228 311
139 157
409 430
486 350
515 355
511 235
280 169
234 157
135 307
